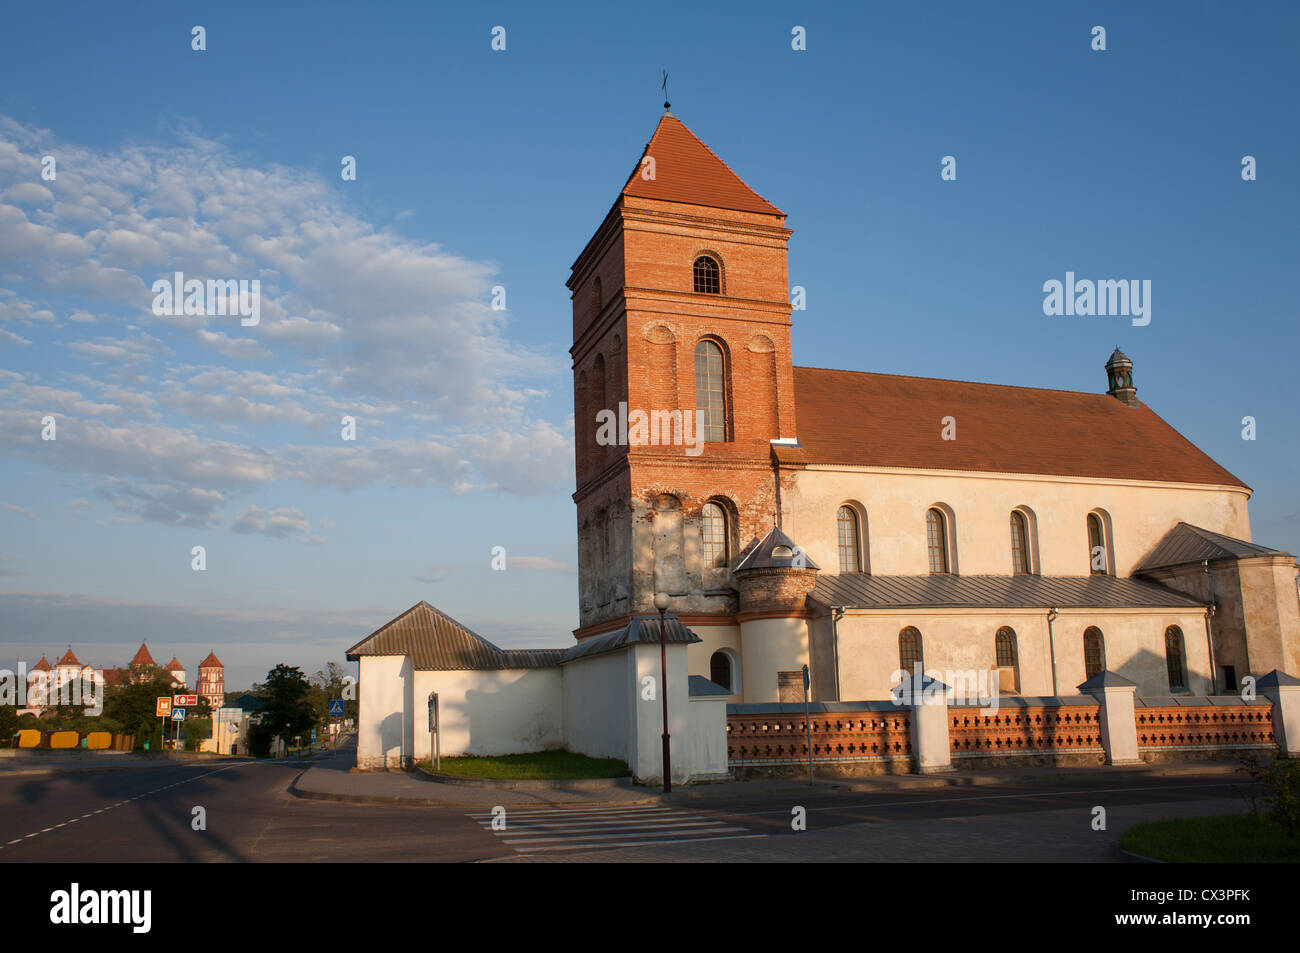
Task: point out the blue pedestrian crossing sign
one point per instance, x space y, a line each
178 714
336 706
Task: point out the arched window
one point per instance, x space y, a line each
849 534
1174 659
713 526
1007 658
909 650
1097 549
720 670
1094 652
710 390
708 276
1019 542
936 534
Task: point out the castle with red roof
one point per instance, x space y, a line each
47 679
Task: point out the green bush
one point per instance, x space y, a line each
1281 780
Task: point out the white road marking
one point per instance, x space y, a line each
536 831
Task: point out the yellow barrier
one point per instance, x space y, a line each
29 738
99 740
64 739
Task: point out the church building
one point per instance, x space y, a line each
865 523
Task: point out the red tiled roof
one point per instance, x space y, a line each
41 666
886 420
686 170
211 661
174 664
68 659
143 657
116 676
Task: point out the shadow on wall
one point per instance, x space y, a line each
390 736
516 716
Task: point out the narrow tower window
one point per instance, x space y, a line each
1019 542
714 528
1094 652
710 390
1097 546
1174 659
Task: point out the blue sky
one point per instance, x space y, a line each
477 168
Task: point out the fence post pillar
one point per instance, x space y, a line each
1283 691
928 700
1118 720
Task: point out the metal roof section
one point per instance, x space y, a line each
768 554
1186 544
436 642
701 687
941 590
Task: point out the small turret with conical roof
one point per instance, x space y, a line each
1119 376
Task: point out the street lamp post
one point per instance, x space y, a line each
661 603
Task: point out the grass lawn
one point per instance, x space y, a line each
538 765
1229 838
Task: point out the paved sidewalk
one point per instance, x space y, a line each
332 780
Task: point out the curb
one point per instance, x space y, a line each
527 784
401 801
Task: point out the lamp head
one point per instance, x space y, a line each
661 601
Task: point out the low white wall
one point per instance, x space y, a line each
490 712
705 752
599 696
385 729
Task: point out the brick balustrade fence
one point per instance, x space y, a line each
1031 728
776 735
1224 723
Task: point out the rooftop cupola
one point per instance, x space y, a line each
1119 375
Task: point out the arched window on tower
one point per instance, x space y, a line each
849 535
710 390
1094 652
708 276
713 527
1174 659
936 534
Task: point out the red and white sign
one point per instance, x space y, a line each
185 701
163 706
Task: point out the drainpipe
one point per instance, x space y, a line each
1209 628
1051 645
837 613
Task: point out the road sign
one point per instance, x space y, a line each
336 706
178 714
185 701
163 706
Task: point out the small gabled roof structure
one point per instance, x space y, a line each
42 666
174 665
437 642
69 659
211 661
1186 544
641 629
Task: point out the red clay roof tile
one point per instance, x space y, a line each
886 420
686 170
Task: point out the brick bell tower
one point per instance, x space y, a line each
680 304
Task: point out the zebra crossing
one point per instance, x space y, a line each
559 830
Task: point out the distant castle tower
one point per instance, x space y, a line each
176 670
212 681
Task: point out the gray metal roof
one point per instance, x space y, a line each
699 686
641 629
1185 544
943 590
437 642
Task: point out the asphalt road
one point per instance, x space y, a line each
145 814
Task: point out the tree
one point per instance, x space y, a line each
332 681
195 731
8 724
288 711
